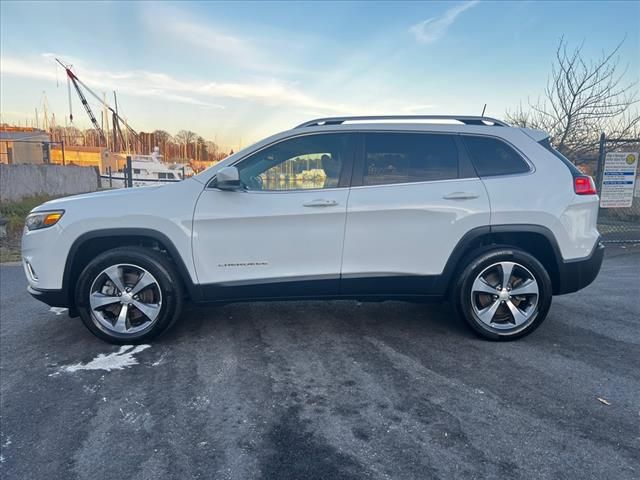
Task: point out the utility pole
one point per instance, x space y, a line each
116 127
105 114
601 156
46 113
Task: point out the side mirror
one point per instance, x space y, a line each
228 178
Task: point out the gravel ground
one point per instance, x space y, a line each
326 390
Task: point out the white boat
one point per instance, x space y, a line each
184 169
148 170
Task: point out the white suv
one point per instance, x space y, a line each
369 208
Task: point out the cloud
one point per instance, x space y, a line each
213 40
137 83
432 29
144 83
262 54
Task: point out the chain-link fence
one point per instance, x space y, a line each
618 224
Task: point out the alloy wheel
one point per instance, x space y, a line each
505 295
125 299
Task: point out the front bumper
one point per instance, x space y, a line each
53 298
577 274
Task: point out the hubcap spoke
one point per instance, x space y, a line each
98 300
121 324
529 287
115 276
487 313
507 270
481 286
518 315
148 309
144 280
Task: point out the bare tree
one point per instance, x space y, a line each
213 151
581 100
161 138
186 138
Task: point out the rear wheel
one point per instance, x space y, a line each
129 295
504 294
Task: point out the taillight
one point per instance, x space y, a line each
584 185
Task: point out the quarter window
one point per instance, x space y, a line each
491 157
307 162
409 157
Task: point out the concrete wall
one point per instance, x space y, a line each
81 156
24 152
20 181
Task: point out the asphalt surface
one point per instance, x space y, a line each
327 390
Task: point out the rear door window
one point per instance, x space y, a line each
409 157
491 157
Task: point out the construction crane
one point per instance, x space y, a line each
73 78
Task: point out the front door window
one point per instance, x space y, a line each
306 162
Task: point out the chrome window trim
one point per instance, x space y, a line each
423 182
302 190
532 168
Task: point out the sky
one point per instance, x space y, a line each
237 72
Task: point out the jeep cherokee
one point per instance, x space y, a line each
413 208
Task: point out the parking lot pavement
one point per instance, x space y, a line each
326 390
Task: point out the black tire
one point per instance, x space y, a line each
167 288
468 304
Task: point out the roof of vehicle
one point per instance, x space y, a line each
461 119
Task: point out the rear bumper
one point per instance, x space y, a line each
53 298
577 274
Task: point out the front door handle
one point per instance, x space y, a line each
320 203
461 196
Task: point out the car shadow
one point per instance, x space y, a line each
365 318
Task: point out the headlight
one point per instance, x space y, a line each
39 220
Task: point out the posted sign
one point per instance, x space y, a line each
618 180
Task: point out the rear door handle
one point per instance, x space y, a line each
461 196
320 203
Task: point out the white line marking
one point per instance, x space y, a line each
58 310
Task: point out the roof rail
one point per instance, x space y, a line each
466 119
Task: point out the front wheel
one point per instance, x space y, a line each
503 294
129 295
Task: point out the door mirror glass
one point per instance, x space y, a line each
228 178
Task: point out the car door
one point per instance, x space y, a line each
281 234
414 196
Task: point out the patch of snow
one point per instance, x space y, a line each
119 360
58 310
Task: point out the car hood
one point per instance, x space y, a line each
61 203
